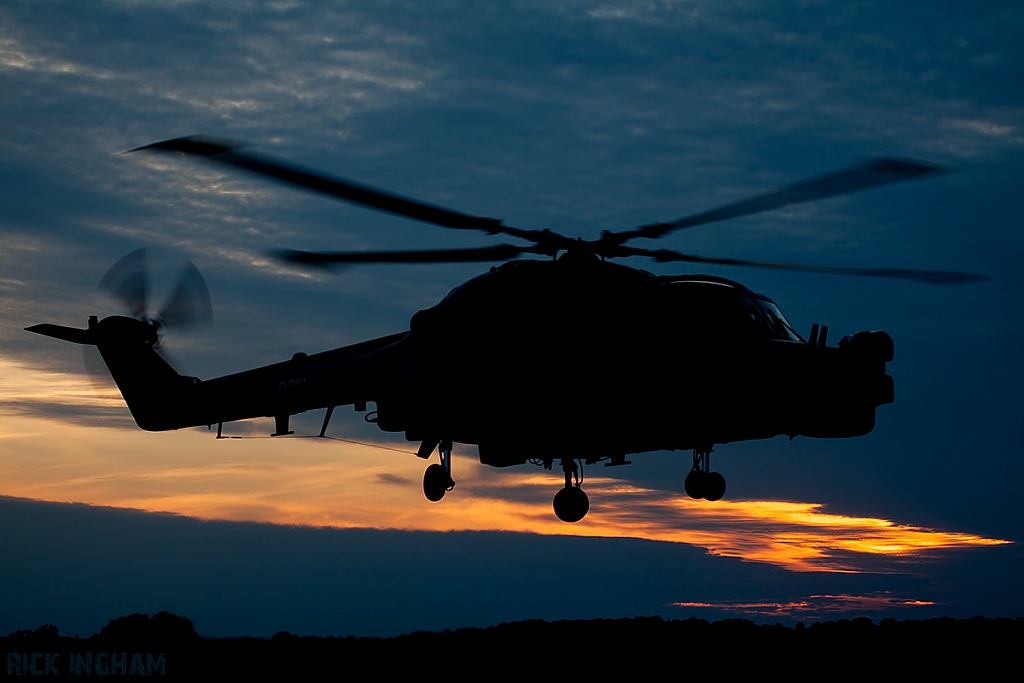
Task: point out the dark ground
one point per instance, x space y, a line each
167 644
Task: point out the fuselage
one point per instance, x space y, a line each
548 359
537 359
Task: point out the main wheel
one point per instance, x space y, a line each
714 486
695 483
435 482
571 504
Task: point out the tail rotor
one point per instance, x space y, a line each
187 305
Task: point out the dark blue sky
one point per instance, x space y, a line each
575 116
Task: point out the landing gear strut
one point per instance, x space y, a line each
701 482
437 480
571 503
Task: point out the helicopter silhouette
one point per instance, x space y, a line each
569 357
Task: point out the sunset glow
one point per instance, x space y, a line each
813 606
330 483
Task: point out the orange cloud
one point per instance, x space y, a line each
345 484
813 606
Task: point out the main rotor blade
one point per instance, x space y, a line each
231 155
500 252
871 174
932 277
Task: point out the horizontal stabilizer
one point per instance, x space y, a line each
70 334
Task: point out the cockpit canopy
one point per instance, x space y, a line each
534 303
718 309
778 326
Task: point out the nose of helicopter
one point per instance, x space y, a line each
852 384
876 345
872 349
885 390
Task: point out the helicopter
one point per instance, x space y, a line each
562 357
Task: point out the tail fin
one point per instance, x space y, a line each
71 334
156 395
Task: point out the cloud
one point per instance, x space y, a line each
49 395
797 536
387 478
255 67
81 565
815 606
73 413
334 484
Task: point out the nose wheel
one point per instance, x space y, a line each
437 480
701 482
571 503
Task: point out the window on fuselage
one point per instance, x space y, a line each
709 311
713 311
780 326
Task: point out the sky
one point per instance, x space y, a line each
574 116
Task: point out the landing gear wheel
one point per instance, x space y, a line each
695 483
701 482
436 482
571 504
714 486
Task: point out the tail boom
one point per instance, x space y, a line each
161 399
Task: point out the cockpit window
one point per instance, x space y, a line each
766 317
716 311
780 326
